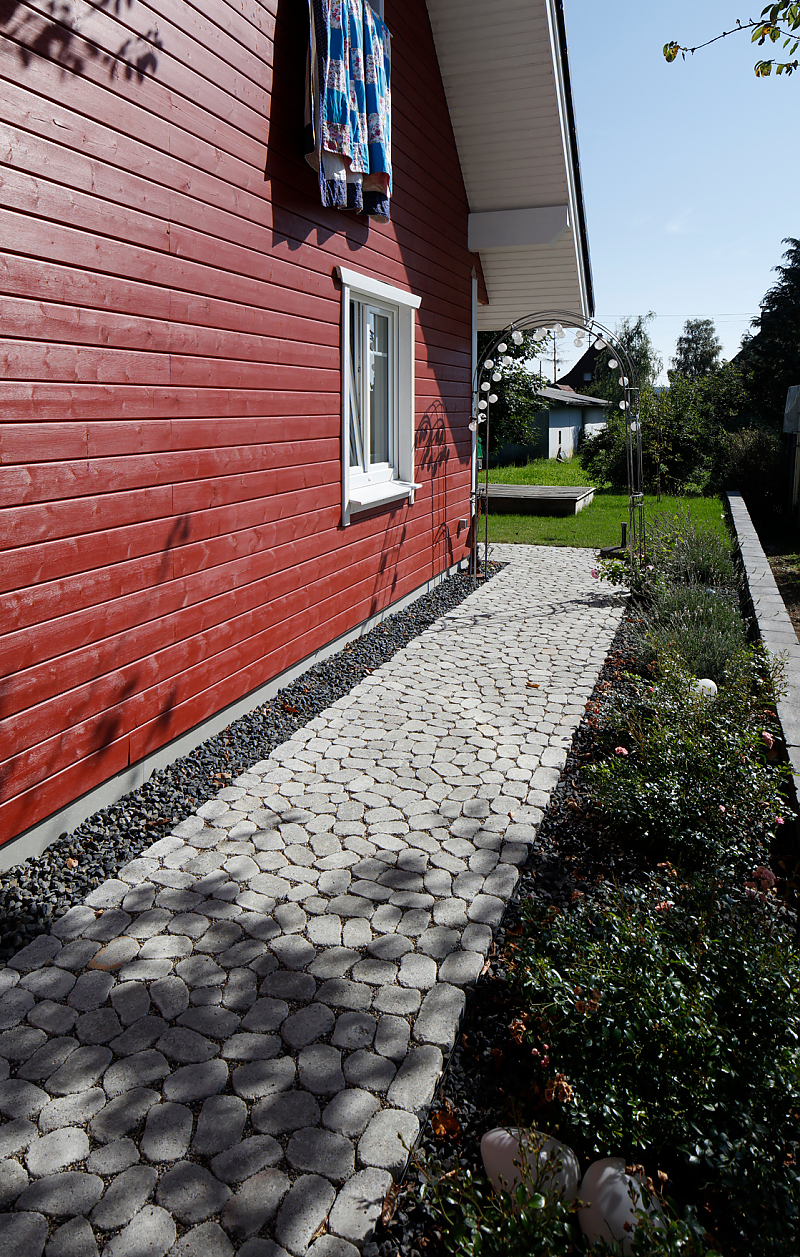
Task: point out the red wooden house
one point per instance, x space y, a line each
187 512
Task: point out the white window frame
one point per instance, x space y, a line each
380 484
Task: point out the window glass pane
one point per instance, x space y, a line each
378 328
354 388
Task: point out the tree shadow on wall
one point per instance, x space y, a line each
431 443
56 35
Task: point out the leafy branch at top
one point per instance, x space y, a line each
777 21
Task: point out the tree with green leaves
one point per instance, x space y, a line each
778 22
513 418
698 350
770 357
634 340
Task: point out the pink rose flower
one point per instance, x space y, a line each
595 573
620 750
768 739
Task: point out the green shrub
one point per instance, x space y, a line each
751 461
698 626
680 550
685 777
673 1016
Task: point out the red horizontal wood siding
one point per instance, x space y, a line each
170 531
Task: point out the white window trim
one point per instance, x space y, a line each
366 494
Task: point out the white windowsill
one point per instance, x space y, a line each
370 495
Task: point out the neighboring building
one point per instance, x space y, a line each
235 422
582 372
568 417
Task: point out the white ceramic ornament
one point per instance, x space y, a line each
553 1167
612 1198
706 687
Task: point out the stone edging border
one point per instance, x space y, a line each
774 626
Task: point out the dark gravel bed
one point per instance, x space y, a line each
481 1085
37 891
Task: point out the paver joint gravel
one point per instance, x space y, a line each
235 1039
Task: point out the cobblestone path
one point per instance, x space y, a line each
236 1039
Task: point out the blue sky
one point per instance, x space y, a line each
691 173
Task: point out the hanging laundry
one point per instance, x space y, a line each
348 106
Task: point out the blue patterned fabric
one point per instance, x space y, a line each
348 106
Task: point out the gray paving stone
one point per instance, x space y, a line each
138 1070
353 1030
461 968
332 1246
334 962
48 983
115 954
124 1198
240 991
266 1015
73 922
416 1080
196 1082
167 1132
62 1195
307 1025
284 1113
486 910
150 1234
122 1114
390 946
450 912
75 1109
342 993
53 1018
113 1158
219 1125
90 991
477 938
356 1212
21 1099
46 1059
15 1137
13 1180
170 996
388 1141
206 1240
200 971
251 1047
131 1001
14 1005
42 950
98 1026
259 1079
320 1069
254 1203
186 1046
439 1016
191 1193
214 1022
398 1001
22 1234
365 1069
375 972
297 987
392 1037
246 1159
139 1036
56 1151
348 1113
324 1152
303 1210
293 951
74 1239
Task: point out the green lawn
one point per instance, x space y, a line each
596 525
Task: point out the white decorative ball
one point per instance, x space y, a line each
612 1198
706 687
550 1166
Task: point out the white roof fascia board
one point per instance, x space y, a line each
517 228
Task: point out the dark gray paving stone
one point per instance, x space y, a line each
252 1047
439 1016
22 1234
170 996
397 1001
214 1022
246 1159
20 1043
15 1005
191 1193
365 1069
97 1027
139 1036
56 1151
74 1239
303 1210
91 990
115 954
167 1131
320 1069
206 1240
388 1141
219 937
53 1018
38 953
416 1080
219 1125
256 1247
73 921
21 1099
349 1112
438 942
150 1234
284 1113
200 971
332 1246
240 991
186 1046
122 1114
461 968
255 1203
62 1195
258 1079
196 1082
299 988
13 1180
50 983
149 924
138 1070
77 954
113 1158
266 1015
71 1110
392 1037
80 1070
354 1030
324 1152
131 1001
124 1198
47 1059
16 1136
307 1025
357 1209
341 993
334 962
